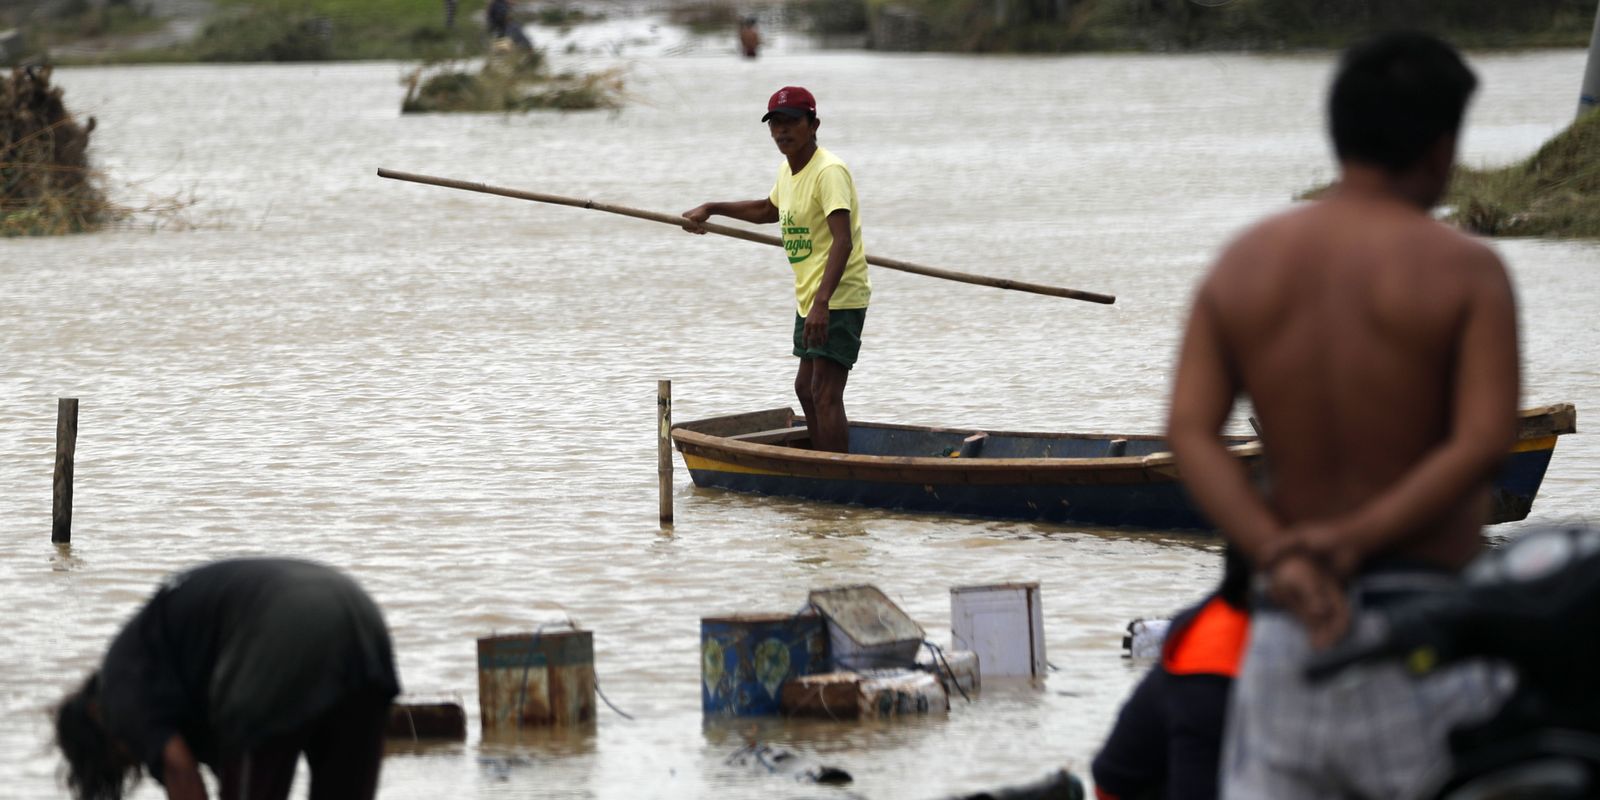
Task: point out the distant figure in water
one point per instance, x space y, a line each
240 665
749 37
498 15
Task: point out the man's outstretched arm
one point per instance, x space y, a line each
759 212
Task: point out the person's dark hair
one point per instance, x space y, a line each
96 769
1395 96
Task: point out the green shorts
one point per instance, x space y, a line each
844 336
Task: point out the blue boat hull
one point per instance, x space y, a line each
1094 480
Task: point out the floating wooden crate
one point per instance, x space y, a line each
1004 625
871 694
536 679
745 659
418 721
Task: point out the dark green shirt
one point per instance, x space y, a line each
235 652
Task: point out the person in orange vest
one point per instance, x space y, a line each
1167 740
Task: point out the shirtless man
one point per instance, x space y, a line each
1379 349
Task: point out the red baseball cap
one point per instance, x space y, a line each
792 101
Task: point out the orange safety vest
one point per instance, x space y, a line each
1211 644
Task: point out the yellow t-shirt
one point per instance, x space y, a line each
804 202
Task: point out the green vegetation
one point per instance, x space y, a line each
1554 193
317 30
68 22
1065 25
508 82
705 17
81 20
46 186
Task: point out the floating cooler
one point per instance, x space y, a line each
866 630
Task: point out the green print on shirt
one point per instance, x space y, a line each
798 248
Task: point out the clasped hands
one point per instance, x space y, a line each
1307 568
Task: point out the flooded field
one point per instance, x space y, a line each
452 396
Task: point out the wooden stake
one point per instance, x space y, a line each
664 447
66 448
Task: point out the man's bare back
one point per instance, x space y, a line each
1380 351
1362 354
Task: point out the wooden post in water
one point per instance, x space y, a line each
66 448
1589 95
664 447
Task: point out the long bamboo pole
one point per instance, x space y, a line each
749 236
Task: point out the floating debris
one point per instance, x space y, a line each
781 761
413 720
46 186
1145 638
747 659
1059 785
538 679
869 694
510 80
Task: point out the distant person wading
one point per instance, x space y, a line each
814 200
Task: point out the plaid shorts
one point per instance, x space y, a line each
1375 731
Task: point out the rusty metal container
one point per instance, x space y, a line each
536 679
745 660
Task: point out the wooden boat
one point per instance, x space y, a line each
1099 480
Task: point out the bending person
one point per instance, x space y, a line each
240 665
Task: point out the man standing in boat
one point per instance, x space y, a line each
1379 349
814 200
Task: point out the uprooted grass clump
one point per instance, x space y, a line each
1554 193
508 81
46 186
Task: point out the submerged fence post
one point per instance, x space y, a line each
66 447
1589 96
664 447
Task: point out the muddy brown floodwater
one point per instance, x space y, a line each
452 395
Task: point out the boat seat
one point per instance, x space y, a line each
971 447
774 436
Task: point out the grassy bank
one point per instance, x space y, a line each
1163 25
301 30
318 30
508 81
1555 193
